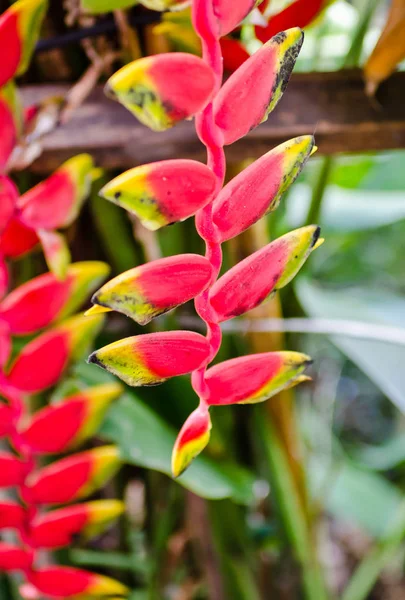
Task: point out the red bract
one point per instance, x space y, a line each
10 121
12 515
65 582
13 558
254 90
54 349
155 288
12 470
153 88
252 280
299 13
229 14
234 209
163 192
6 419
153 358
74 477
254 378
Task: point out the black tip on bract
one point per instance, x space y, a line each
92 359
316 235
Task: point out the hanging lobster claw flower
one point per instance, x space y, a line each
152 289
74 477
192 439
257 190
251 281
65 342
12 515
59 427
254 378
55 203
13 558
44 300
19 31
61 527
66 582
299 13
12 470
163 192
163 89
10 121
152 358
253 91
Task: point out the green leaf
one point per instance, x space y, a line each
104 6
383 362
364 498
146 440
387 456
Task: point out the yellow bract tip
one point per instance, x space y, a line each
96 309
314 149
319 242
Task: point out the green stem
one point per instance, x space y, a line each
368 571
318 192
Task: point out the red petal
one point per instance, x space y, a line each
230 14
257 190
192 439
46 205
8 199
6 419
298 14
66 582
12 470
41 363
251 281
3 290
253 91
13 558
53 427
12 515
253 378
9 38
17 239
156 287
58 528
233 54
152 358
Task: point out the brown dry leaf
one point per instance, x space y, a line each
389 50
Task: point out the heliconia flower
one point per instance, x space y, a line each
12 470
163 89
8 201
254 378
253 91
299 13
44 300
56 202
13 558
233 54
59 427
162 192
192 439
152 358
6 418
61 527
257 190
156 287
10 120
251 281
55 348
74 477
19 31
67 582
12 515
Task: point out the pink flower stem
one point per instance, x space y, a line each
207 28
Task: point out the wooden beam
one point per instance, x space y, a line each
331 105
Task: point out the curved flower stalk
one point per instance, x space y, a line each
160 91
56 429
